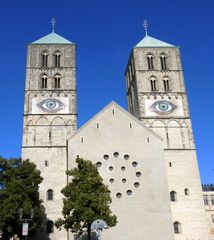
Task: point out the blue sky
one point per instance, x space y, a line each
105 32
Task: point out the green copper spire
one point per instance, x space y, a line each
52 38
148 41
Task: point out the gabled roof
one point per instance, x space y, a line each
116 106
148 41
52 38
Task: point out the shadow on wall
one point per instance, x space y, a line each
47 229
84 236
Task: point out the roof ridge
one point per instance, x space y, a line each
149 41
52 38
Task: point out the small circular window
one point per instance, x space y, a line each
126 156
106 157
129 192
118 195
134 164
123 180
136 184
110 168
111 180
123 168
116 154
138 174
98 164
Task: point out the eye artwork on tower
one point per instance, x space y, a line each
57 105
163 108
51 105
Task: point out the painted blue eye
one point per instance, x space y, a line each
163 107
51 105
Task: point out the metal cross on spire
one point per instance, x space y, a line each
145 24
53 24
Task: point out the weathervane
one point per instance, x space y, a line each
145 24
53 24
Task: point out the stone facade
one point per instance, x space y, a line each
147 157
130 159
208 195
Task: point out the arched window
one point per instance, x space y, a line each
163 62
206 199
177 227
166 84
173 196
153 83
44 60
57 81
186 191
50 226
212 199
57 59
44 81
50 194
150 62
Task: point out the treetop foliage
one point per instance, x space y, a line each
87 198
19 185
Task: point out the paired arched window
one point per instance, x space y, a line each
177 227
44 81
150 61
163 62
57 58
173 196
44 59
50 194
166 84
153 83
186 191
57 79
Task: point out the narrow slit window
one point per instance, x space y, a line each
44 59
44 80
166 84
177 227
57 81
186 191
163 62
50 194
150 62
49 136
173 196
206 200
57 59
153 83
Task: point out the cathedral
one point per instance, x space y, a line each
145 155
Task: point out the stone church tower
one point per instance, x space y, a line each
157 96
50 116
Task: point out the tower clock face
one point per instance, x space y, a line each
50 105
163 108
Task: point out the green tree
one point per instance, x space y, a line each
19 184
87 198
